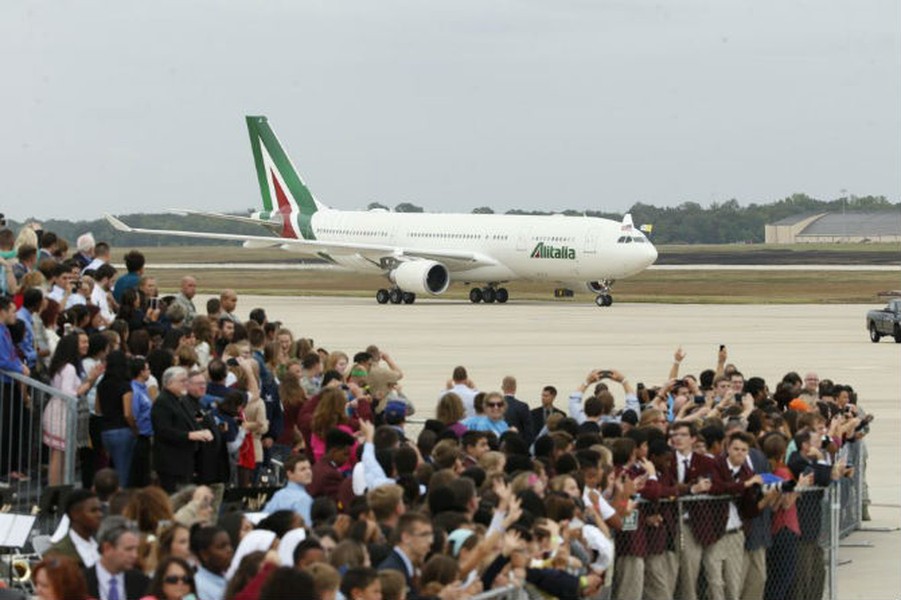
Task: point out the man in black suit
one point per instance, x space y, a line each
517 414
175 432
114 576
414 539
540 415
211 460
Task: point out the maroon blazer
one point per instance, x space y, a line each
704 516
327 479
661 495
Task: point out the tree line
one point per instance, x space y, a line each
688 223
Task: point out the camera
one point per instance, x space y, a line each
783 487
232 362
604 374
153 303
864 422
825 441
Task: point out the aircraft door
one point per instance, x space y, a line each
523 239
591 241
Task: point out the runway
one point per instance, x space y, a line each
547 343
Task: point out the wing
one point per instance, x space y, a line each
377 253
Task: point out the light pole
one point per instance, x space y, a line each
844 206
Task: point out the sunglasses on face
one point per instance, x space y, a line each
495 405
173 579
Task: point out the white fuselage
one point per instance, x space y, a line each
538 248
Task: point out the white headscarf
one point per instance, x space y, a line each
288 543
258 540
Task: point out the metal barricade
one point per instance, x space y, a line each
851 489
23 455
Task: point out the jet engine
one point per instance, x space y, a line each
421 276
596 287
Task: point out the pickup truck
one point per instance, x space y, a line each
886 321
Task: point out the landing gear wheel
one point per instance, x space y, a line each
382 296
603 300
502 295
475 295
489 295
396 296
409 297
874 335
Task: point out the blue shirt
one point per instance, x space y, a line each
140 407
9 360
483 423
126 282
292 497
210 586
27 344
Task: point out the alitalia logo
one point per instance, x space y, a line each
543 250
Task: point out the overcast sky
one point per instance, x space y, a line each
588 104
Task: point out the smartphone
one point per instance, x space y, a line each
722 347
700 400
605 374
232 362
152 303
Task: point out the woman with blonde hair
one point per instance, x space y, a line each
255 421
450 411
493 461
338 361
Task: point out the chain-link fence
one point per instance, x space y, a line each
721 547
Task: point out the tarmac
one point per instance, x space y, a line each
558 343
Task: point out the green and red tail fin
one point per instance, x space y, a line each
282 188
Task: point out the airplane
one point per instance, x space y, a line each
423 253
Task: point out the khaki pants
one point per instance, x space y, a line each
689 563
811 573
660 574
724 566
755 574
628 578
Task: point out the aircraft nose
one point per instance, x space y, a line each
652 253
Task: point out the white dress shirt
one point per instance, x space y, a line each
87 549
103 582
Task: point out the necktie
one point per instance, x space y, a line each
685 464
113 593
737 475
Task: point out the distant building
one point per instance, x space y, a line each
853 227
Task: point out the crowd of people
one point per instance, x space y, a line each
227 459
